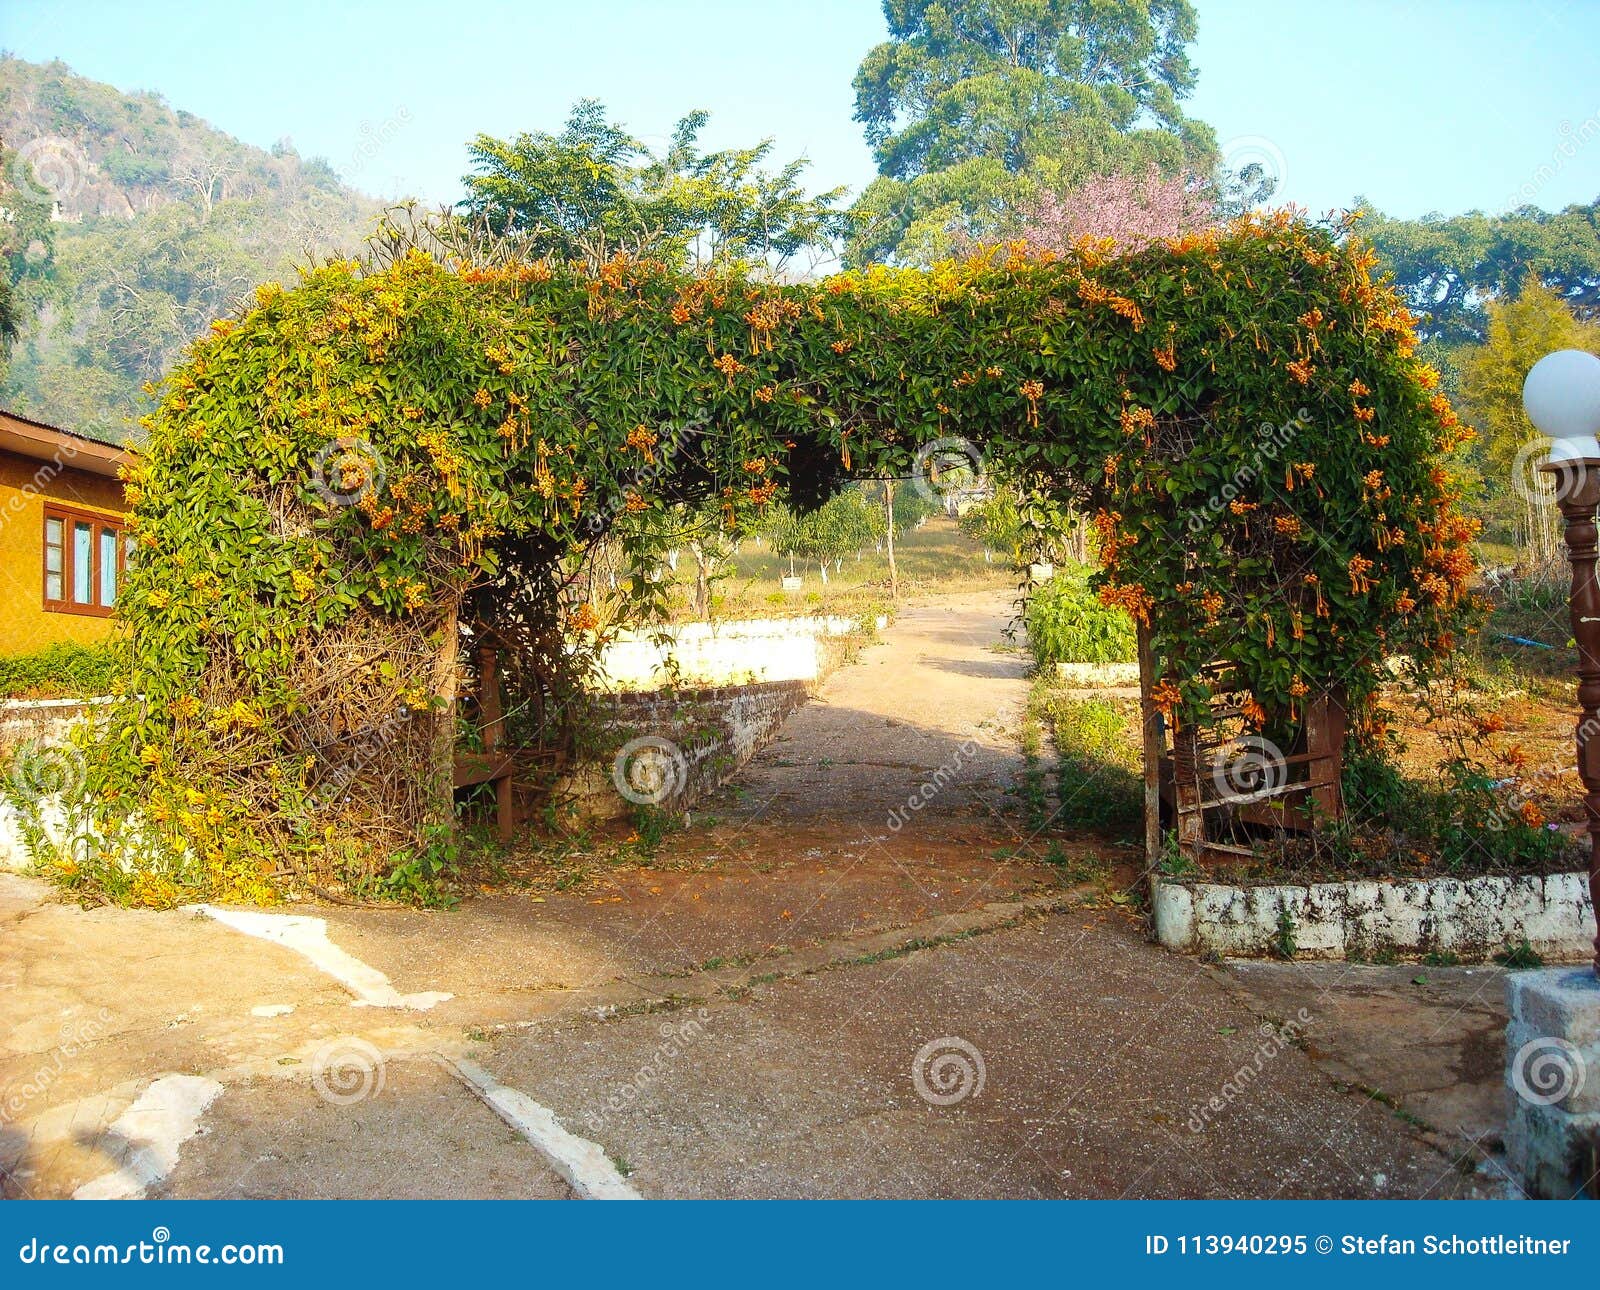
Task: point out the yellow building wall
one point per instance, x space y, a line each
25 486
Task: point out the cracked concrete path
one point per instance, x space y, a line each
1060 1058
403 1130
1429 1040
942 688
742 1016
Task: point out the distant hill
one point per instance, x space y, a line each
128 225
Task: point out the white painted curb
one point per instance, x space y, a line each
308 937
584 1164
1472 918
166 1115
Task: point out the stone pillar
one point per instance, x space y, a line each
1553 1081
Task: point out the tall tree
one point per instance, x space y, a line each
1449 267
569 195
593 189
972 106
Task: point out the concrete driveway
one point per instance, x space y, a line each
792 999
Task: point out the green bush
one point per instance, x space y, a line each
1464 819
1098 772
62 670
1068 624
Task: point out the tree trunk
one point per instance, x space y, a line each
702 582
446 669
888 514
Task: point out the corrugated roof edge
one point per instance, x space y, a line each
75 434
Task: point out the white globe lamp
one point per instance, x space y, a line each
1562 398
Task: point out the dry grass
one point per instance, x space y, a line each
936 557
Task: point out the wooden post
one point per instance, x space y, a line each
1188 794
445 679
1324 742
1152 735
494 730
1578 495
494 726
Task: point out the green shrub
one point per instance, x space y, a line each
1465 819
1098 772
60 671
1068 624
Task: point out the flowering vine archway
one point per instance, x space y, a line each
339 477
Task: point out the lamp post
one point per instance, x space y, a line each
1562 398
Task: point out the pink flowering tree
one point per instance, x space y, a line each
1129 209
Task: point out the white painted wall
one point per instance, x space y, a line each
724 653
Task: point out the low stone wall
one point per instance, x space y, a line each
669 748
34 724
1472 919
737 652
1098 675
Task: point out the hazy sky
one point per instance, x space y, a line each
1428 105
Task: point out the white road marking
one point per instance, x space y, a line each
308 937
584 1164
161 1120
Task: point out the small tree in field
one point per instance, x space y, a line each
1026 529
845 523
1520 332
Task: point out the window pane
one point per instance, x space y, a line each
82 562
108 568
54 532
